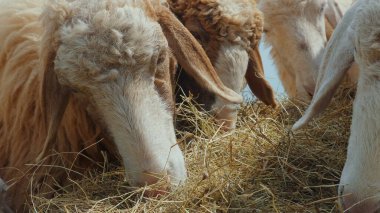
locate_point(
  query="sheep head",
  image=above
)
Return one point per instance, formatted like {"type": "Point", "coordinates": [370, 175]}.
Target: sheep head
{"type": "Point", "coordinates": [359, 184]}
{"type": "Point", "coordinates": [356, 39]}
{"type": "Point", "coordinates": [115, 55]}
{"type": "Point", "coordinates": [295, 29]}
{"type": "Point", "coordinates": [229, 31]}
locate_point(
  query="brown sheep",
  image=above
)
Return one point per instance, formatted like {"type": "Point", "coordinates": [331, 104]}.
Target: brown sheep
{"type": "Point", "coordinates": [297, 32]}
{"type": "Point", "coordinates": [229, 31]}
{"type": "Point", "coordinates": [79, 77]}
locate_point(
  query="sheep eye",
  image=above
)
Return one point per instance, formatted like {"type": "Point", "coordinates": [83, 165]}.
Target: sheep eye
{"type": "Point", "coordinates": [161, 57]}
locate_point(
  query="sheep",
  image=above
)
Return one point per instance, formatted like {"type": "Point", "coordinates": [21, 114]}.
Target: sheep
{"type": "Point", "coordinates": [78, 78]}
{"type": "Point", "coordinates": [356, 39]}
{"type": "Point", "coordinates": [229, 31]}
{"type": "Point", "coordinates": [297, 31]}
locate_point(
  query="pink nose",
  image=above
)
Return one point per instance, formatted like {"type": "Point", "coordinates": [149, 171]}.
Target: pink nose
{"type": "Point", "coordinates": [227, 118]}
{"type": "Point", "coordinates": [148, 179]}
{"type": "Point", "coordinates": [352, 205]}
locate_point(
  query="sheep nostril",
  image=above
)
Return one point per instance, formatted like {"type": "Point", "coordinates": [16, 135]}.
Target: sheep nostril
{"type": "Point", "coordinates": [158, 184]}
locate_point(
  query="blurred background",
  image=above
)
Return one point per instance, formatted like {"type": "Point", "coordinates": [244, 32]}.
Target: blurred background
{"type": "Point", "coordinates": [270, 73]}
{"type": "Point", "coordinates": [269, 67]}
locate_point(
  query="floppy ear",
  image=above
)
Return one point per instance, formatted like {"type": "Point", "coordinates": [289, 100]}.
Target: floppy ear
{"type": "Point", "coordinates": [54, 96]}
{"type": "Point", "coordinates": [256, 79]}
{"type": "Point", "coordinates": [338, 58]}
{"type": "Point", "coordinates": [191, 56]}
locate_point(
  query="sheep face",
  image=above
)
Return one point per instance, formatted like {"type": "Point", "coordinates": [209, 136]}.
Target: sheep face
{"type": "Point", "coordinates": [116, 56]}
{"type": "Point", "coordinates": [360, 183]}
{"type": "Point", "coordinates": [230, 62]}
{"type": "Point", "coordinates": [118, 60]}
{"type": "Point", "coordinates": [229, 32]}
{"type": "Point", "coordinates": [296, 31]}
{"type": "Point", "coordinates": [229, 58]}
{"type": "Point", "coordinates": [360, 180]}
{"type": "Point", "coordinates": [356, 39]}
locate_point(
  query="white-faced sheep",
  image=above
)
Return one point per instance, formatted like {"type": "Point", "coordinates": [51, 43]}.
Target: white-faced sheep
{"type": "Point", "coordinates": [357, 38]}
{"type": "Point", "coordinates": [297, 31]}
{"type": "Point", "coordinates": [229, 32]}
{"type": "Point", "coordinates": [79, 71]}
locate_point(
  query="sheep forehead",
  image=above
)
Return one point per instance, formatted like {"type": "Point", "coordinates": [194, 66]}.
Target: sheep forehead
{"type": "Point", "coordinates": [233, 12]}
{"type": "Point", "coordinates": [125, 36]}
{"type": "Point", "coordinates": [236, 21]}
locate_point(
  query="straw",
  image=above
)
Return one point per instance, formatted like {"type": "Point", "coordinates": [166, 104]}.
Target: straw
{"type": "Point", "coordinates": [259, 167]}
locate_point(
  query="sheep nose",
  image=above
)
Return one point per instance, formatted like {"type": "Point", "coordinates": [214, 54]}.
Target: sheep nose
{"type": "Point", "coordinates": [352, 205]}
{"type": "Point", "coordinates": [227, 117]}
{"type": "Point", "coordinates": [148, 179]}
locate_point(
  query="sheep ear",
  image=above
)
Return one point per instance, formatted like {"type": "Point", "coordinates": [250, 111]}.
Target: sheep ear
{"type": "Point", "coordinates": [256, 79]}
{"type": "Point", "coordinates": [191, 56]}
{"type": "Point", "coordinates": [55, 97]}
{"type": "Point", "coordinates": [54, 101]}
{"type": "Point", "coordinates": [338, 58]}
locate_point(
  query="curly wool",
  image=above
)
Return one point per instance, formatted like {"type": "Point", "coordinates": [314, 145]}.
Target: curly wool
{"type": "Point", "coordinates": [236, 21]}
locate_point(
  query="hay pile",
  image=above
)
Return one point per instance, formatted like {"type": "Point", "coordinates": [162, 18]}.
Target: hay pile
{"type": "Point", "coordinates": [259, 167]}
